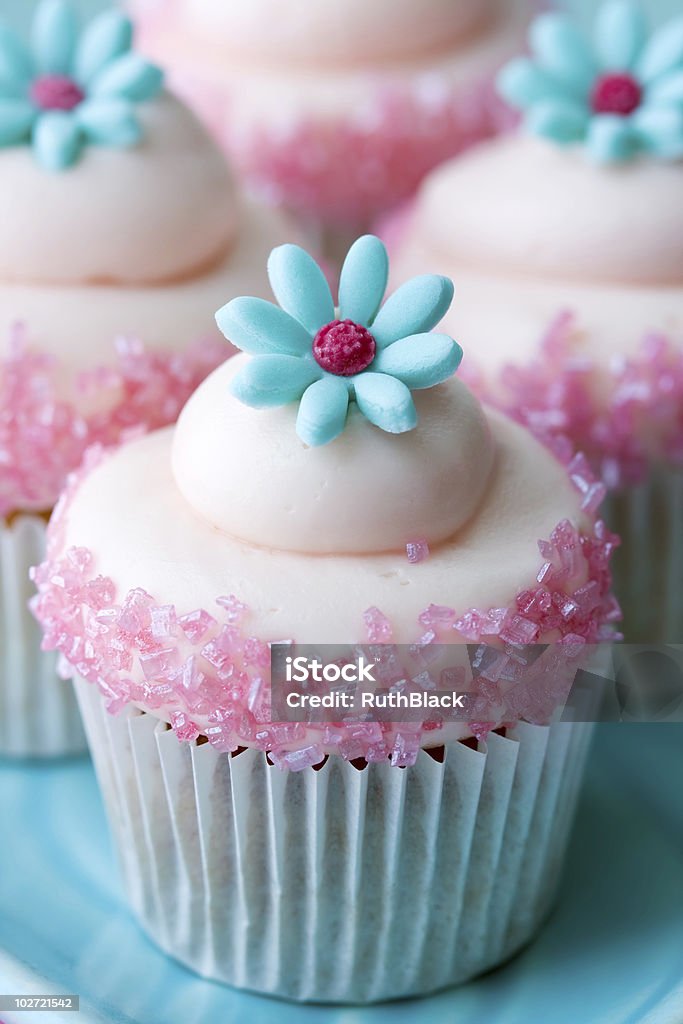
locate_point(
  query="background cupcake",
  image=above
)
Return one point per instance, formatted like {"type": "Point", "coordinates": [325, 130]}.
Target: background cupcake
{"type": "Point", "coordinates": [121, 227]}
{"type": "Point", "coordinates": [371, 501]}
{"type": "Point", "coordinates": [338, 110]}
{"type": "Point", "coordinates": [575, 226]}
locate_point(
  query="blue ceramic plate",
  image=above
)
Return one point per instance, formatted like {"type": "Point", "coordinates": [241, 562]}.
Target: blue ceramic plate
{"type": "Point", "coordinates": [612, 953]}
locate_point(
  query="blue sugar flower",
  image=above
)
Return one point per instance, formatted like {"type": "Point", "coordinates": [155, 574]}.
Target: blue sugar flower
{"type": "Point", "coordinates": [622, 95]}
{"type": "Point", "coordinates": [307, 353]}
{"type": "Point", "coordinates": [67, 88]}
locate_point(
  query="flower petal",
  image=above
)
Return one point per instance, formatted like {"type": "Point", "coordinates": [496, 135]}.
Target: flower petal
{"type": "Point", "coordinates": [260, 327]}
{"type": "Point", "coordinates": [416, 307]}
{"type": "Point", "coordinates": [611, 139]}
{"type": "Point", "coordinates": [300, 287]}
{"type": "Point", "coordinates": [563, 51]}
{"type": "Point", "coordinates": [562, 121]}
{"type": "Point", "coordinates": [128, 77]}
{"type": "Point", "coordinates": [107, 37]}
{"type": "Point", "coordinates": [363, 280]}
{"type": "Point", "coordinates": [54, 35]}
{"type": "Point", "coordinates": [666, 89]}
{"type": "Point", "coordinates": [322, 412]}
{"type": "Point", "coordinates": [663, 53]}
{"type": "Point", "coordinates": [420, 361]}
{"type": "Point", "coordinates": [523, 83]}
{"type": "Point", "coordinates": [620, 32]}
{"type": "Point", "coordinates": [16, 66]}
{"type": "Point", "coordinates": [16, 121]}
{"type": "Point", "coordinates": [57, 140]}
{"type": "Point", "coordinates": [269, 381]}
{"type": "Point", "coordinates": [660, 130]}
{"type": "Point", "coordinates": [386, 402]}
{"type": "Point", "coordinates": [109, 122]}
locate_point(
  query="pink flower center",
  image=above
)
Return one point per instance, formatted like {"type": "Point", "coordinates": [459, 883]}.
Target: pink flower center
{"type": "Point", "coordinates": [56, 92]}
{"type": "Point", "coordinates": [344, 347]}
{"type": "Point", "coordinates": [616, 94]}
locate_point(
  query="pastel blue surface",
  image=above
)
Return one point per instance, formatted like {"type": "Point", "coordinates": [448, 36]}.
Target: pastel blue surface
{"type": "Point", "coordinates": [612, 953]}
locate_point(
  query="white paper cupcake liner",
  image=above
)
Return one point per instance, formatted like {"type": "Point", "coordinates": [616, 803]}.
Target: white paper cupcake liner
{"type": "Point", "coordinates": [337, 885]}
{"type": "Point", "coordinates": [648, 568]}
{"type": "Point", "coordinates": [39, 715]}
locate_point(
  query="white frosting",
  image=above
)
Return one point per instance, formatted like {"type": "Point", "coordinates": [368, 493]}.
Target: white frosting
{"type": "Point", "coordinates": [529, 207]}
{"type": "Point", "coordinates": [325, 31]}
{"type": "Point", "coordinates": [497, 221]}
{"type": "Point", "coordinates": [80, 324]}
{"type": "Point", "coordinates": [367, 491]}
{"type": "Point", "coordinates": [162, 211]}
{"type": "Point", "coordinates": [143, 533]}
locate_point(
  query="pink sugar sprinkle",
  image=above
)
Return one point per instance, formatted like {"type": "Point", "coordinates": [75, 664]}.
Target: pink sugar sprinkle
{"type": "Point", "coordinates": [235, 609]}
{"type": "Point", "coordinates": [437, 615]}
{"type": "Point", "coordinates": [405, 750]}
{"type": "Point", "coordinates": [184, 728]}
{"type": "Point", "coordinates": [297, 760]}
{"type": "Point", "coordinates": [378, 626]}
{"type": "Point", "coordinates": [44, 437]}
{"type": "Point", "coordinates": [196, 625]}
{"type": "Point", "coordinates": [481, 730]}
{"type": "Point", "coordinates": [417, 551]}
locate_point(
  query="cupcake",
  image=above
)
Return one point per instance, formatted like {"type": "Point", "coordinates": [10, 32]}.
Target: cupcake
{"type": "Point", "coordinates": [338, 110]}
{"type": "Point", "coordinates": [575, 225]}
{"type": "Point", "coordinates": [350, 859]}
{"type": "Point", "coordinates": [121, 227]}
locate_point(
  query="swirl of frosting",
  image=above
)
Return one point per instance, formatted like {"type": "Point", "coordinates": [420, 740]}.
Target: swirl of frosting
{"type": "Point", "coordinates": [118, 215]}
{"type": "Point", "coordinates": [247, 473]}
{"type": "Point", "coordinates": [526, 228]}
{"type": "Point", "coordinates": [353, 31]}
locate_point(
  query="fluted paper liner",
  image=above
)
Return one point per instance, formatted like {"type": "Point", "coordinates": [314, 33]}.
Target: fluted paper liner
{"type": "Point", "coordinates": [38, 711]}
{"type": "Point", "coordinates": [648, 569]}
{"type": "Point", "coordinates": [337, 885]}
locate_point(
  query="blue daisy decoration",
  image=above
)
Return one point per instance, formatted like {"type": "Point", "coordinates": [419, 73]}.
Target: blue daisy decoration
{"type": "Point", "coordinates": [305, 351]}
{"type": "Point", "coordinates": [64, 89]}
{"type": "Point", "coordinates": [620, 93]}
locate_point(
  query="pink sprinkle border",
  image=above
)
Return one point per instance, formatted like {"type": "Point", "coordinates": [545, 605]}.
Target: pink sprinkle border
{"type": "Point", "coordinates": [204, 664]}
{"type": "Point", "coordinates": [554, 395]}
{"type": "Point", "coordinates": [43, 437]}
{"type": "Point", "coordinates": [350, 170]}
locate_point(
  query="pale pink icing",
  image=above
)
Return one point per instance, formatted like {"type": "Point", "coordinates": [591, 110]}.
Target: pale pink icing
{"type": "Point", "coordinates": [364, 492]}
{"type": "Point", "coordinates": [528, 208]}
{"type": "Point", "coordinates": [117, 217]}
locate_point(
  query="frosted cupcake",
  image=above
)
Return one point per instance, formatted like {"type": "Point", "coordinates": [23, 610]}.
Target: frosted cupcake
{"type": "Point", "coordinates": [373, 501]}
{"type": "Point", "coordinates": [121, 227]}
{"type": "Point", "coordinates": [338, 110]}
{"type": "Point", "coordinates": [575, 225]}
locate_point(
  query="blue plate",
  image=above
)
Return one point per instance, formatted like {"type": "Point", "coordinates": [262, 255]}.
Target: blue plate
{"type": "Point", "coordinates": [612, 953]}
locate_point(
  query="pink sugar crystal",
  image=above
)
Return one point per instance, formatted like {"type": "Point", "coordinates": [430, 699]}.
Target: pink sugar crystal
{"type": "Point", "coordinates": [196, 625]}
{"type": "Point", "coordinates": [235, 610]}
{"type": "Point", "coordinates": [184, 728]}
{"type": "Point", "coordinates": [297, 760]}
{"type": "Point", "coordinates": [163, 621]}
{"type": "Point", "coordinates": [378, 626]}
{"type": "Point", "coordinates": [437, 615]}
{"type": "Point", "coordinates": [481, 730]}
{"type": "Point", "coordinates": [405, 750]}
{"type": "Point", "coordinates": [417, 551]}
